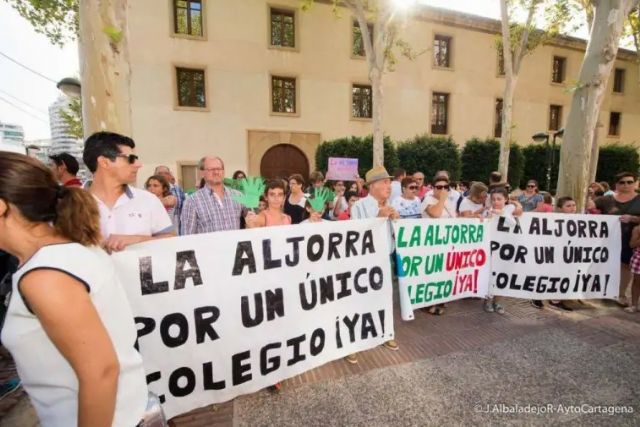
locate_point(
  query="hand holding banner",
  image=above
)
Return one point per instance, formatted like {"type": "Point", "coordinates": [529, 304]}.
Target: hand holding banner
{"type": "Point", "coordinates": [229, 313]}
{"type": "Point", "coordinates": [556, 256]}
{"type": "Point", "coordinates": [440, 260]}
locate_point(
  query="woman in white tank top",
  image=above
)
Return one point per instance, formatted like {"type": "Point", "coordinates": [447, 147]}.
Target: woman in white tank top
{"type": "Point", "coordinates": [69, 326]}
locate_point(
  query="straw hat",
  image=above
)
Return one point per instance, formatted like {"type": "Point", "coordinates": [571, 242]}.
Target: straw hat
{"type": "Point", "coordinates": [376, 174]}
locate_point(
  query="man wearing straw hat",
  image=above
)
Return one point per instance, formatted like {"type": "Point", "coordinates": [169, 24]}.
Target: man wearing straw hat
{"type": "Point", "coordinates": [376, 204]}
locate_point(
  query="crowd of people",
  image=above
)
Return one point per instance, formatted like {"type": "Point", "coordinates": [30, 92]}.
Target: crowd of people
{"type": "Point", "coordinates": [54, 235]}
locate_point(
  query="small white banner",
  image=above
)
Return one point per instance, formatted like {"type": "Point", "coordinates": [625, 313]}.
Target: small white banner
{"type": "Point", "coordinates": [229, 313]}
{"type": "Point", "coordinates": [555, 256]}
{"type": "Point", "coordinates": [440, 260]}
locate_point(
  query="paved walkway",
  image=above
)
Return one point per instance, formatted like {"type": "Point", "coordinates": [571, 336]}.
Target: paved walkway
{"type": "Point", "coordinates": [465, 367]}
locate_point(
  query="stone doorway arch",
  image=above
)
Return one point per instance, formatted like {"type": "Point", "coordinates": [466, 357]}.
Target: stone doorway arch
{"type": "Point", "coordinates": [283, 160]}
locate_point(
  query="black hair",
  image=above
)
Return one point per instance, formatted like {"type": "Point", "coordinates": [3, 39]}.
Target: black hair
{"type": "Point", "coordinates": [104, 144]}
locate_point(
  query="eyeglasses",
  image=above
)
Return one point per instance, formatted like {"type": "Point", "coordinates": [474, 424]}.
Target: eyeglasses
{"type": "Point", "coordinates": [213, 169]}
{"type": "Point", "coordinates": [626, 182]}
{"type": "Point", "coordinates": [441, 187]}
{"type": "Point", "coordinates": [131, 158]}
{"type": "Point", "coordinates": [412, 187]}
{"type": "Point", "coordinates": [531, 186]}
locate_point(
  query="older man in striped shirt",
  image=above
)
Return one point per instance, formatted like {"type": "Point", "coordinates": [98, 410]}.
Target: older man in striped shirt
{"type": "Point", "coordinates": [211, 208]}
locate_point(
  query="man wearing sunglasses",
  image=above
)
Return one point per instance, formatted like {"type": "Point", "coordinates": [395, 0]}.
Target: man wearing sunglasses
{"type": "Point", "coordinates": [628, 204]}
{"type": "Point", "coordinates": [127, 215]}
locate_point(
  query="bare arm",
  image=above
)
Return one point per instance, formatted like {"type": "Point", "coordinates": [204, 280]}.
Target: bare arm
{"type": "Point", "coordinates": [518, 208]}
{"type": "Point", "coordinates": [435, 211]}
{"type": "Point", "coordinates": [118, 242]}
{"type": "Point", "coordinates": [635, 237]}
{"type": "Point", "coordinates": [80, 337]}
{"type": "Point", "coordinates": [255, 220]}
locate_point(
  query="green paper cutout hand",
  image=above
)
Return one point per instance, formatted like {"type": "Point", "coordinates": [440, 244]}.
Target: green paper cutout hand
{"type": "Point", "coordinates": [232, 183]}
{"type": "Point", "coordinates": [251, 188]}
{"type": "Point", "coordinates": [320, 197]}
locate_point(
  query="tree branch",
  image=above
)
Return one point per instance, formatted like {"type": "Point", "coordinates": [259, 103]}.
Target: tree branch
{"type": "Point", "coordinates": [521, 50]}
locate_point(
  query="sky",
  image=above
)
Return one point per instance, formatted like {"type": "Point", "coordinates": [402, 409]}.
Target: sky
{"type": "Point", "coordinates": [20, 42]}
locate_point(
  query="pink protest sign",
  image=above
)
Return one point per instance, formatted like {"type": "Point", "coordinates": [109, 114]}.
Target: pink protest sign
{"type": "Point", "coordinates": [342, 168]}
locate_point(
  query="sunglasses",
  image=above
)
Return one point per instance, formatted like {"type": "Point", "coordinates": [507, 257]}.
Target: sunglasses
{"type": "Point", "coordinates": [441, 187]}
{"type": "Point", "coordinates": [531, 186]}
{"type": "Point", "coordinates": [412, 187]}
{"type": "Point", "coordinates": [131, 158]}
{"type": "Point", "coordinates": [625, 182]}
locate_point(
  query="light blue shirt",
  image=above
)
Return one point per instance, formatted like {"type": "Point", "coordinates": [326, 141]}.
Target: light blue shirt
{"type": "Point", "coordinates": [369, 208]}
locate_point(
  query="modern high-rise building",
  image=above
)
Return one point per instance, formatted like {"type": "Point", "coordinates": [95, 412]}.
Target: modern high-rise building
{"type": "Point", "coordinates": [61, 138]}
{"type": "Point", "coordinates": [11, 133]}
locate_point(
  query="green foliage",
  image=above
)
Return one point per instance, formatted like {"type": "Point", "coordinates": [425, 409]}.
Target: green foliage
{"type": "Point", "coordinates": [56, 19]}
{"type": "Point", "coordinates": [537, 162]}
{"type": "Point", "coordinates": [355, 147]}
{"type": "Point", "coordinates": [72, 117]}
{"type": "Point", "coordinates": [616, 158]}
{"type": "Point", "coordinates": [320, 197]}
{"type": "Point", "coordinates": [549, 18]}
{"type": "Point", "coordinates": [516, 165]}
{"type": "Point", "coordinates": [114, 34]}
{"type": "Point", "coordinates": [429, 154]}
{"type": "Point", "coordinates": [613, 159]}
{"type": "Point", "coordinates": [251, 188]}
{"type": "Point", "coordinates": [480, 158]}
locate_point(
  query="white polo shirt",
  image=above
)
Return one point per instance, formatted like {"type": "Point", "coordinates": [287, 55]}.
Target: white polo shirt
{"type": "Point", "coordinates": [136, 212]}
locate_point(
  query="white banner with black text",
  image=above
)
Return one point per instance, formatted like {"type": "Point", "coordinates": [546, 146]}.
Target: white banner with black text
{"type": "Point", "coordinates": [555, 256]}
{"type": "Point", "coordinates": [229, 313]}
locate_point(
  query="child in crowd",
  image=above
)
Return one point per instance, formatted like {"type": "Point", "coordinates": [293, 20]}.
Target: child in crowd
{"type": "Point", "coordinates": [500, 206]}
{"type": "Point", "coordinates": [316, 205]}
{"type": "Point", "coordinates": [273, 214]}
{"type": "Point", "coordinates": [547, 205]}
{"type": "Point", "coordinates": [351, 197]}
{"type": "Point", "coordinates": [634, 266]}
{"type": "Point", "coordinates": [338, 204]}
{"type": "Point", "coordinates": [566, 205]}
{"type": "Point", "coordinates": [604, 205]}
{"type": "Point", "coordinates": [262, 204]}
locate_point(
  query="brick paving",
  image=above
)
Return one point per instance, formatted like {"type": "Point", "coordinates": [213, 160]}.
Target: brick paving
{"type": "Point", "coordinates": [464, 327]}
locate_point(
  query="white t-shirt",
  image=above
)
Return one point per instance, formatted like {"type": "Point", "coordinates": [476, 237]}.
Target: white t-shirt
{"type": "Point", "coordinates": [46, 375]}
{"type": "Point", "coordinates": [396, 190]}
{"type": "Point", "coordinates": [453, 196]}
{"type": "Point", "coordinates": [407, 208]}
{"type": "Point", "coordinates": [468, 205]}
{"type": "Point", "coordinates": [449, 210]}
{"type": "Point", "coordinates": [506, 211]}
{"type": "Point", "coordinates": [342, 204]}
{"type": "Point", "coordinates": [136, 212]}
